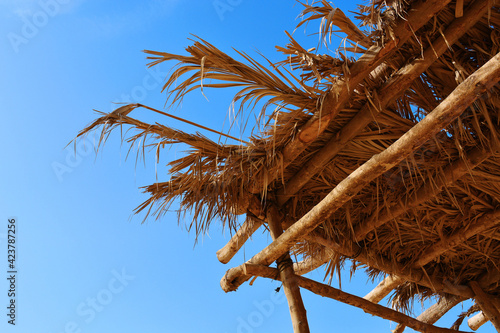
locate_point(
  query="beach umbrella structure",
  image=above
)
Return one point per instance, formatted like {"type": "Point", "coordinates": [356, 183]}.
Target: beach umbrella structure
{"type": "Point", "coordinates": [384, 154]}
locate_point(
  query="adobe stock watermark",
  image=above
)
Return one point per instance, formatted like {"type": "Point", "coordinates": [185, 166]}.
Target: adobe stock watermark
{"type": "Point", "coordinates": [88, 310]}
{"type": "Point", "coordinates": [84, 147]}
{"type": "Point", "coordinates": [32, 24]}
{"type": "Point", "coordinates": [263, 310]}
{"type": "Point", "coordinates": [224, 6]}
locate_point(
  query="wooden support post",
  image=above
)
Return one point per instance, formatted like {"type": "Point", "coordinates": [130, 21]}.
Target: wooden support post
{"type": "Point", "coordinates": [449, 109]}
{"type": "Point", "coordinates": [339, 295]}
{"type": "Point", "coordinates": [435, 312]}
{"type": "Point", "coordinates": [288, 277]}
{"type": "Point", "coordinates": [486, 305]}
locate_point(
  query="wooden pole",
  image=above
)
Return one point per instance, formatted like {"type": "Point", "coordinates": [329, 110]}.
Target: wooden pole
{"type": "Point", "coordinates": [435, 312]}
{"type": "Point", "coordinates": [427, 191]}
{"type": "Point", "coordinates": [311, 263]}
{"type": "Point", "coordinates": [285, 268]}
{"type": "Point", "coordinates": [339, 295]}
{"type": "Point", "coordinates": [394, 87]}
{"type": "Point", "coordinates": [240, 237]}
{"type": "Point", "coordinates": [486, 305]}
{"type": "Point", "coordinates": [383, 288]}
{"type": "Point", "coordinates": [477, 321]}
{"type": "Point", "coordinates": [449, 109]}
{"type": "Point", "coordinates": [484, 223]}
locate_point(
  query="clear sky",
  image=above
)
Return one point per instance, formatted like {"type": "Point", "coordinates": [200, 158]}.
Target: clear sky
{"type": "Point", "coordinates": [85, 264]}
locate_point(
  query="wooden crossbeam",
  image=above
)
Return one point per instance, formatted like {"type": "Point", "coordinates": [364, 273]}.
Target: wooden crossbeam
{"type": "Point", "coordinates": [383, 289]}
{"type": "Point", "coordinates": [477, 321]}
{"type": "Point", "coordinates": [341, 93]}
{"type": "Point", "coordinates": [484, 223]}
{"type": "Point", "coordinates": [434, 312]}
{"type": "Point", "coordinates": [427, 191]}
{"type": "Point", "coordinates": [246, 230]}
{"type": "Point", "coordinates": [449, 109]}
{"type": "Point", "coordinates": [359, 302]}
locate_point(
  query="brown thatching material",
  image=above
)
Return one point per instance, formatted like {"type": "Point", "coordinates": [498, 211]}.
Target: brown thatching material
{"type": "Point", "coordinates": [387, 155]}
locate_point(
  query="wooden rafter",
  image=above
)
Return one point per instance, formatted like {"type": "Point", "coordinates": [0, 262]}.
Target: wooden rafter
{"type": "Point", "coordinates": [339, 295]}
{"type": "Point", "coordinates": [477, 321]}
{"type": "Point", "coordinates": [434, 312]}
{"type": "Point", "coordinates": [484, 223]}
{"type": "Point", "coordinates": [426, 192]}
{"type": "Point", "coordinates": [246, 230]}
{"type": "Point", "coordinates": [383, 288]}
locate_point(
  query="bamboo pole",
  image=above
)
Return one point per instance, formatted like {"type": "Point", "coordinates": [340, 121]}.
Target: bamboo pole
{"type": "Point", "coordinates": [397, 84]}
{"type": "Point", "coordinates": [486, 305]}
{"type": "Point", "coordinates": [239, 238]}
{"type": "Point", "coordinates": [434, 312]}
{"type": "Point", "coordinates": [477, 321]}
{"type": "Point", "coordinates": [470, 89]}
{"type": "Point", "coordinates": [341, 93]}
{"type": "Point", "coordinates": [298, 312]}
{"type": "Point", "coordinates": [359, 302]}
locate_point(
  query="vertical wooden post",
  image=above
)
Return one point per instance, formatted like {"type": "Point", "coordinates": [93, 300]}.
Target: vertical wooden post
{"type": "Point", "coordinates": [486, 305]}
{"type": "Point", "coordinates": [288, 277]}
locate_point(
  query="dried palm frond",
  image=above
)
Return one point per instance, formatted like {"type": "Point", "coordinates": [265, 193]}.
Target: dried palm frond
{"type": "Point", "coordinates": [333, 17]}
{"type": "Point", "coordinates": [257, 82]}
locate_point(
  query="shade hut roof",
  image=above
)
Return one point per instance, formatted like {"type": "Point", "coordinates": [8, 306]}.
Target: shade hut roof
{"type": "Point", "coordinates": [385, 154]}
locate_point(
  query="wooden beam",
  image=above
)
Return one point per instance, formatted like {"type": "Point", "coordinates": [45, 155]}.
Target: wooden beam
{"type": "Point", "coordinates": [426, 192]}
{"type": "Point", "coordinates": [434, 312]}
{"type": "Point", "coordinates": [486, 305]}
{"type": "Point", "coordinates": [313, 262]}
{"type": "Point", "coordinates": [485, 222]}
{"type": "Point", "coordinates": [340, 94]}
{"type": "Point", "coordinates": [480, 319]}
{"type": "Point", "coordinates": [246, 230]}
{"type": "Point", "coordinates": [448, 110]}
{"type": "Point", "coordinates": [383, 289]}
{"type": "Point", "coordinates": [359, 302]}
{"type": "Point", "coordinates": [285, 270]}
{"type": "Point", "coordinates": [460, 236]}
{"type": "Point", "coordinates": [477, 321]}
{"type": "Point", "coordinates": [397, 84]}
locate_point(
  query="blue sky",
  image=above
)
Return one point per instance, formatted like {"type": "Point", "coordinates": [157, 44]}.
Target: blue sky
{"type": "Point", "coordinates": [85, 264]}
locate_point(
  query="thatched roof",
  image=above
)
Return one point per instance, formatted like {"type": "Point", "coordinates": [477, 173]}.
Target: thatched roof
{"type": "Point", "coordinates": [387, 154]}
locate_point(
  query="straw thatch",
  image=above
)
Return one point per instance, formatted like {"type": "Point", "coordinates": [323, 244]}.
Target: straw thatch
{"type": "Point", "coordinates": [386, 154]}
